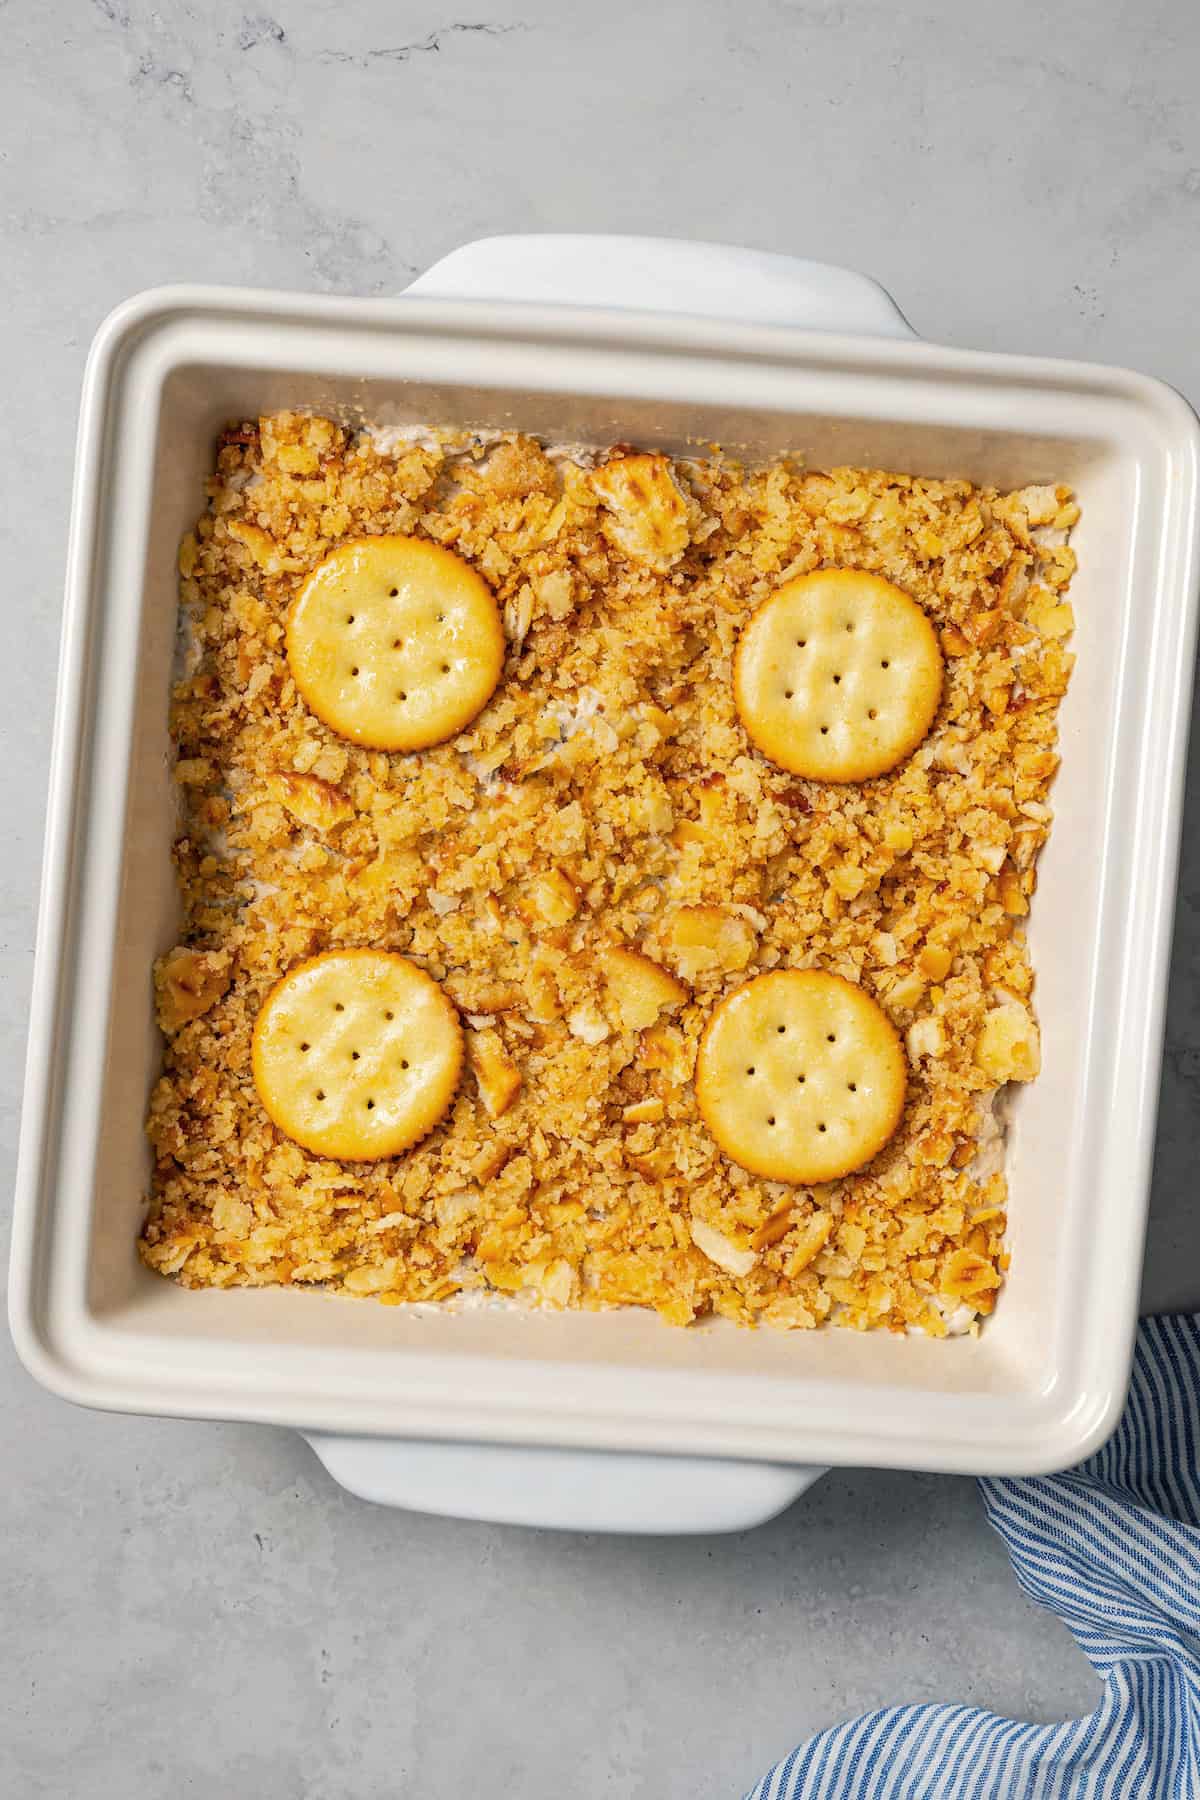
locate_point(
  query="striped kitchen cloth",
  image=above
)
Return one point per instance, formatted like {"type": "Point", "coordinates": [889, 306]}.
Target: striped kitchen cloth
{"type": "Point", "coordinates": [1112, 1547]}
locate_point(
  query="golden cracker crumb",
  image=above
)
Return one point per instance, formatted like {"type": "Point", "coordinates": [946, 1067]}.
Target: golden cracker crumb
{"type": "Point", "coordinates": [605, 799]}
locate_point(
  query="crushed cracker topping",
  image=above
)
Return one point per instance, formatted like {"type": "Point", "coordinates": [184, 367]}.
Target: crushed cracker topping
{"type": "Point", "coordinates": [605, 806]}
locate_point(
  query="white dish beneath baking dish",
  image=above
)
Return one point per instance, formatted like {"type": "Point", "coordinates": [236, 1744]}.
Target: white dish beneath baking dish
{"type": "Point", "coordinates": [716, 1427]}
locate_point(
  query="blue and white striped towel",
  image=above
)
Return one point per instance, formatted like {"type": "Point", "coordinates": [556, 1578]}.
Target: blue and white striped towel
{"type": "Point", "coordinates": [1112, 1547]}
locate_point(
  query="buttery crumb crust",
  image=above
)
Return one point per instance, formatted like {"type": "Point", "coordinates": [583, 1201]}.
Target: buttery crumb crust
{"type": "Point", "coordinates": [606, 800]}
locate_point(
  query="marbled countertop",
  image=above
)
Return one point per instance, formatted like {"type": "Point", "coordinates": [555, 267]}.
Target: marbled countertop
{"type": "Point", "coordinates": [195, 1609]}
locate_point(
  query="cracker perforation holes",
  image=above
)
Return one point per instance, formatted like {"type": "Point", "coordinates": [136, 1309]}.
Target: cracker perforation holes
{"type": "Point", "coordinates": [348, 603]}
{"type": "Point", "coordinates": [344, 1086]}
{"type": "Point", "coordinates": [811, 610]}
{"type": "Point", "coordinates": [802, 1132]}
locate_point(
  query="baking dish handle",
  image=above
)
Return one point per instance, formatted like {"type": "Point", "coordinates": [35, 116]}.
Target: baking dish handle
{"type": "Point", "coordinates": [566, 1490]}
{"type": "Point", "coordinates": [716, 281]}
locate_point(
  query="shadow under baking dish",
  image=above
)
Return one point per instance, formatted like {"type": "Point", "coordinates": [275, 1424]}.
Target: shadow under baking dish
{"type": "Point", "coordinates": [1044, 1381]}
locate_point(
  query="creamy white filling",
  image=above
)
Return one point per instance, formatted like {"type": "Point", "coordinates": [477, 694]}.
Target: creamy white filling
{"type": "Point", "coordinates": [992, 1138]}
{"type": "Point", "coordinates": [957, 1315]}
{"type": "Point", "coordinates": [388, 440]}
{"type": "Point", "coordinates": [570, 720]}
{"type": "Point", "coordinates": [489, 778]}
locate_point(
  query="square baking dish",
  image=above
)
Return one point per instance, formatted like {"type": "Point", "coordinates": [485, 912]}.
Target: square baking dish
{"type": "Point", "coordinates": [1044, 1382]}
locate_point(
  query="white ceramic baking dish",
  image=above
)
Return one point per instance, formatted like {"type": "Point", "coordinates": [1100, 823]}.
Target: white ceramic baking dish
{"type": "Point", "coordinates": [494, 1412]}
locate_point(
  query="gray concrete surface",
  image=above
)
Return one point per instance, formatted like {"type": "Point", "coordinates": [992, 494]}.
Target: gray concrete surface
{"type": "Point", "coordinates": [195, 1610]}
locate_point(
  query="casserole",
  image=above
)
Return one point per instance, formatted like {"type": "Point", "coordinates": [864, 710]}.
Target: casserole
{"type": "Point", "coordinates": [1044, 1383]}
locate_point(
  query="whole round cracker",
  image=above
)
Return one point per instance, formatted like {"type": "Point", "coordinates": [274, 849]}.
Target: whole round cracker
{"type": "Point", "coordinates": [396, 643]}
{"type": "Point", "coordinates": [356, 1054]}
{"type": "Point", "coordinates": [837, 676]}
{"type": "Point", "coordinates": [800, 1076]}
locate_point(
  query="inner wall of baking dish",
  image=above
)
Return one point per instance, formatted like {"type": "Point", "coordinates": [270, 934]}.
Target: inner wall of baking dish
{"type": "Point", "coordinates": [881, 426]}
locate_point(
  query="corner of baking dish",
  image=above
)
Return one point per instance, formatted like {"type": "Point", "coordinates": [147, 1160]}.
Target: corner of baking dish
{"type": "Point", "coordinates": [682, 1399]}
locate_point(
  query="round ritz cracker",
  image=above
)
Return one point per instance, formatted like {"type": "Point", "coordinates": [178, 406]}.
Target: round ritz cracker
{"type": "Point", "coordinates": [800, 1076]}
{"type": "Point", "coordinates": [395, 642]}
{"type": "Point", "coordinates": [356, 1054]}
{"type": "Point", "coordinates": [837, 676]}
